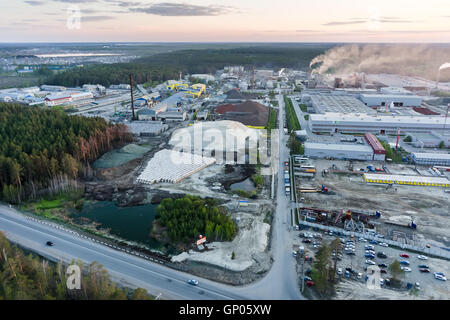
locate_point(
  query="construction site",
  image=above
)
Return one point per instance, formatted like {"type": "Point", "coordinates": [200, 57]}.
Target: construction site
{"type": "Point", "coordinates": [408, 213]}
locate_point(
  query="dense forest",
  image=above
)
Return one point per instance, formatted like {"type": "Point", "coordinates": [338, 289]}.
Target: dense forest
{"type": "Point", "coordinates": [40, 148]}
{"type": "Point", "coordinates": [28, 277]}
{"type": "Point", "coordinates": [186, 218]}
{"type": "Point", "coordinates": [165, 66]}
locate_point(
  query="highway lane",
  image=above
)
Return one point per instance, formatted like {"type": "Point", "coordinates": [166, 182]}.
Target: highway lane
{"type": "Point", "coordinates": [123, 267]}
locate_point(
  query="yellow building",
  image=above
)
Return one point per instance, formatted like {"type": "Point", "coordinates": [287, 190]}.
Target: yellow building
{"type": "Point", "coordinates": [407, 180]}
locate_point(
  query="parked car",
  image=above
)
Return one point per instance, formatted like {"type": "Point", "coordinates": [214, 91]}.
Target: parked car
{"type": "Point", "coordinates": [370, 256]}
{"type": "Point", "coordinates": [404, 255]}
{"type": "Point", "coordinates": [423, 266]}
{"type": "Point", "coordinates": [310, 283]}
{"type": "Point", "coordinates": [417, 285]}
{"type": "Point", "coordinates": [307, 279]}
{"type": "Point", "coordinates": [422, 257]}
{"type": "Point", "coordinates": [373, 242]}
{"type": "Point", "coordinates": [339, 271]}
{"type": "Point", "coordinates": [359, 276]}
{"type": "Point", "coordinates": [440, 277]}
{"type": "Point", "coordinates": [350, 270]}
{"type": "Point", "coordinates": [369, 247]}
{"type": "Point", "coordinates": [306, 241]}
{"type": "Point", "coordinates": [347, 274]}
{"type": "Point", "coordinates": [382, 271]}
{"type": "Point", "coordinates": [370, 252]}
{"type": "Point", "coordinates": [383, 265]}
{"type": "Point", "coordinates": [294, 254]}
{"type": "Point", "coordinates": [362, 240]}
{"type": "Point", "coordinates": [387, 282]}
{"type": "Point", "coordinates": [370, 262]}
{"type": "Point", "coordinates": [383, 244]}
{"type": "Point", "coordinates": [424, 270]}
{"type": "Point", "coordinates": [381, 255]}
{"type": "Point", "coordinates": [406, 269]}
{"type": "Point", "coordinates": [404, 262]}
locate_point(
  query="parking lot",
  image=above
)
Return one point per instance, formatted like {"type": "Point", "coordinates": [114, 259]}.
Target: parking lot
{"type": "Point", "coordinates": [429, 286]}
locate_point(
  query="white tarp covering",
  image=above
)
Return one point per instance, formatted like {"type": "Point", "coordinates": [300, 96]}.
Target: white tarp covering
{"type": "Point", "coordinates": [173, 166]}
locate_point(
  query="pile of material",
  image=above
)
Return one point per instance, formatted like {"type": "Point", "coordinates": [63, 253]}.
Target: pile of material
{"type": "Point", "coordinates": [425, 111]}
{"type": "Point", "coordinates": [249, 113]}
{"type": "Point", "coordinates": [173, 166]}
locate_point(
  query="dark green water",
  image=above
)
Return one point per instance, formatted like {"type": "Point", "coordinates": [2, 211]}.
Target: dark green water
{"type": "Point", "coordinates": [130, 223]}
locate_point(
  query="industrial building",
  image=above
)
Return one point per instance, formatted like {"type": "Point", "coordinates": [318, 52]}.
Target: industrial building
{"type": "Point", "coordinates": [399, 100]}
{"type": "Point", "coordinates": [170, 116]}
{"type": "Point", "coordinates": [379, 153]}
{"type": "Point", "coordinates": [406, 180]}
{"type": "Point", "coordinates": [339, 104]}
{"type": "Point", "coordinates": [338, 151]}
{"type": "Point", "coordinates": [45, 87]}
{"type": "Point", "coordinates": [429, 140]}
{"type": "Point", "coordinates": [204, 77]}
{"type": "Point", "coordinates": [360, 123]}
{"type": "Point", "coordinates": [431, 159]}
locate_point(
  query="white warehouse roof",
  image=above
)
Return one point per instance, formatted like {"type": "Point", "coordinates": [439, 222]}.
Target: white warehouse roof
{"type": "Point", "coordinates": [385, 119]}
{"type": "Point", "coordinates": [408, 180]}
{"type": "Point", "coordinates": [338, 147]}
{"type": "Point", "coordinates": [426, 155]}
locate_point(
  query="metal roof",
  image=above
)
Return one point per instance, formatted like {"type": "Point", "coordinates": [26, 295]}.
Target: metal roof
{"type": "Point", "coordinates": [386, 178]}
{"type": "Point", "coordinates": [429, 155]}
{"type": "Point", "coordinates": [338, 147]}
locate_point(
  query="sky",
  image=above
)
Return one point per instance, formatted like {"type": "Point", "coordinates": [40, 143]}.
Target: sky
{"type": "Point", "coordinates": [225, 21]}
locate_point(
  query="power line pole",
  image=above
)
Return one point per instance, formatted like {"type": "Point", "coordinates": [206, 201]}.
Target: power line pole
{"type": "Point", "coordinates": [132, 98]}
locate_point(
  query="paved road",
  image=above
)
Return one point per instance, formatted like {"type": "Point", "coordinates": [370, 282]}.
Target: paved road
{"type": "Point", "coordinates": [281, 282]}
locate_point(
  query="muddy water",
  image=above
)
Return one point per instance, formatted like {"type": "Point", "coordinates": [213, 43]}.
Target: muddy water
{"type": "Point", "coordinates": [246, 185]}
{"type": "Point", "coordinates": [119, 157]}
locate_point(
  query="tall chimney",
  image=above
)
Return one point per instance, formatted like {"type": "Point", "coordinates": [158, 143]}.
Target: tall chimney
{"type": "Point", "coordinates": [132, 98]}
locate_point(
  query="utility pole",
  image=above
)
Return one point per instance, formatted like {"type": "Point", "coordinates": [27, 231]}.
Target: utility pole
{"type": "Point", "coordinates": [132, 98]}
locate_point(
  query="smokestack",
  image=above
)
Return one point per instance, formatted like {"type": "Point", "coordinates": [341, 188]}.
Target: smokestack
{"type": "Point", "coordinates": [132, 98]}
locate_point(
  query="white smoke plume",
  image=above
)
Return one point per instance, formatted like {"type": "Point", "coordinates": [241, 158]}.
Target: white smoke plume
{"type": "Point", "coordinates": [445, 66]}
{"type": "Point", "coordinates": [411, 60]}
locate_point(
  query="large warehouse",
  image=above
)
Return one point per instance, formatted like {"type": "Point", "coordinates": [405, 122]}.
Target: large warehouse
{"type": "Point", "coordinates": [339, 104]}
{"type": "Point", "coordinates": [407, 180]}
{"type": "Point", "coordinates": [432, 159]}
{"type": "Point", "coordinates": [380, 100]}
{"type": "Point", "coordinates": [379, 153]}
{"type": "Point", "coordinates": [360, 123]}
{"type": "Point", "coordinates": [338, 151]}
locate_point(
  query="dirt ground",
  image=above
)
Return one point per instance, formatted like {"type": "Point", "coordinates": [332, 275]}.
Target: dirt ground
{"type": "Point", "coordinates": [428, 206]}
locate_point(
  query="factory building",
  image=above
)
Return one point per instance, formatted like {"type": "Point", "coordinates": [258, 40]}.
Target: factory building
{"type": "Point", "coordinates": [431, 159]}
{"type": "Point", "coordinates": [379, 153]}
{"type": "Point", "coordinates": [204, 77]}
{"type": "Point", "coordinates": [338, 151]}
{"type": "Point", "coordinates": [120, 86]}
{"type": "Point", "coordinates": [399, 100]}
{"type": "Point", "coordinates": [359, 123]}
{"type": "Point", "coordinates": [339, 104]}
{"type": "Point", "coordinates": [171, 116]}
{"type": "Point", "coordinates": [146, 128]}
{"type": "Point", "coordinates": [45, 87]}
{"type": "Point", "coordinates": [406, 180]}
{"type": "Point", "coordinates": [429, 140]}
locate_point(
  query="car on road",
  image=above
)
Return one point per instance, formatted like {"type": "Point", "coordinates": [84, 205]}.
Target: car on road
{"type": "Point", "coordinates": [381, 255]}
{"type": "Point", "coordinates": [404, 262]}
{"type": "Point", "coordinates": [406, 269]}
{"type": "Point", "coordinates": [423, 266]}
{"type": "Point", "coordinates": [383, 244]}
{"type": "Point", "coordinates": [383, 265]}
{"type": "Point", "coordinates": [404, 255]}
{"type": "Point", "coordinates": [193, 282]}
{"type": "Point", "coordinates": [49, 243]}
{"type": "Point", "coordinates": [373, 242]}
{"type": "Point", "coordinates": [370, 262]}
{"type": "Point", "coordinates": [422, 257]}
{"type": "Point", "coordinates": [424, 270]}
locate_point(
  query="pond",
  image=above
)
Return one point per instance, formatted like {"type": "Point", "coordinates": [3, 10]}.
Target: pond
{"type": "Point", "coordinates": [246, 185]}
{"type": "Point", "coordinates": [129, 223]}
{"type": "Point", "coordinates": [119, 157]}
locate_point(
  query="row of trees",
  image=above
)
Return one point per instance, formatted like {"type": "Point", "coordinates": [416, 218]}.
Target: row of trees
{"type": "Point", "coordinates": [186, 218]}
{"type": "Point", "coordinates": [291, 117]}
{"type": "Point", "coordinates": [164, 66]}
{"type": "Point", "coordinates": [38, 146]}
{"type": "Point", "coordinates": [28, 277]}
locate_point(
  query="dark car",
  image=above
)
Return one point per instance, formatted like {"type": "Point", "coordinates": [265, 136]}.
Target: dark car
{"type": "Point", "coordinates": [424, 266]}
{"type": "Point", "coordinates": [424, 270]}
{"type": "Point", "coordinates": [383, 265]}
{"type": "Point", "coordinates": [381, 255]}
{"type": "Point", "coordinates": [383, 271]}
{"type": "Point", "coordinates": [50, 244]}
{"type": "Point", "coordinates": [350, 270]}
{"type": "Point", "coordinates": [306, 241]}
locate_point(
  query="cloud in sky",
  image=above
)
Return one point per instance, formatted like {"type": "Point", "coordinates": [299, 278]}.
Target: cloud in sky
{"type": "Point", "coordinates": [96, 18]}
{"type": "Point", "coordinates": [361, 21]}
{"type": "Point", "coordinates": [35, 3]}
{"type": "Point", "coordinates": [182, 9]}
